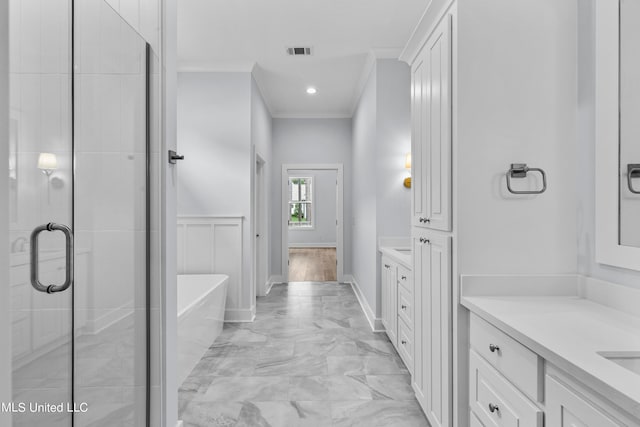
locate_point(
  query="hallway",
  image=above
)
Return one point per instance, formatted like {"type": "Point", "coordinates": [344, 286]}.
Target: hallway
{"type": "Point", "coordinates": [312, 265]}
{"type": "Point", "coordinates": [309, 359]}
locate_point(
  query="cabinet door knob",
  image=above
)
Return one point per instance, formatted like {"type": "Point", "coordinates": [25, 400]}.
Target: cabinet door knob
{"type": "Point", "coordinates": [403, 342]}
{"type": "Point", "coordinates": [494, 408]}
{"type": "Point", "coordinates": [387, 266]}
{"type": "Point", "coordinates": [404, 277]}
{"type": "Point", "coordinates": [493, 348]}
{"type": "Point", "coordinates": [423, 240]}
{"type": "Point", "coordinates": [404, 307]}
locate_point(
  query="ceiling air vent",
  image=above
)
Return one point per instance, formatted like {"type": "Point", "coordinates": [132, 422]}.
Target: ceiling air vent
{"type": "Point", "coordinates": [299, 51]}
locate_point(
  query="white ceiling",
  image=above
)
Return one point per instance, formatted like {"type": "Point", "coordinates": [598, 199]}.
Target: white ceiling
{"type": "Point", "coordinates": [233, 35]}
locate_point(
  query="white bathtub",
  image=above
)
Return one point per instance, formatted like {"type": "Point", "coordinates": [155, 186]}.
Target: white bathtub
{"type": "Point", "coordinates": [201, 305]}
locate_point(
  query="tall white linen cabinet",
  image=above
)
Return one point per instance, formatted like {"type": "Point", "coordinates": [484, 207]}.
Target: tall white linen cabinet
{"type": "Point", "coordinates": [493, 83]}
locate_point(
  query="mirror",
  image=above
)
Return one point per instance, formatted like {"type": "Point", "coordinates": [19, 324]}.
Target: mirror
{"type": "Point", "coordinates": [617, 132]}
{"type": "Point", "coordinates": [629, 144]}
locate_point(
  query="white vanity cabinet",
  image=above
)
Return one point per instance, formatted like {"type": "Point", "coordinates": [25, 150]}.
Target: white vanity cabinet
{"type": "Point", "coordinates": [431, 131]}
{"type": "Point", "coordinates": [432, 379]}
{"type": "Point", "coordinates": [565, 408]}
{"type": "Point", "coordinates": [398, 307]}
{"type": "Point", "coordinates": [510, 385]}
{"type": "Point", "coordinates": [389, 299]}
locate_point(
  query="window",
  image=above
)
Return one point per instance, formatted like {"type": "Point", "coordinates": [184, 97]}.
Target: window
{"type": "Point", "coordinates": [300, 202]}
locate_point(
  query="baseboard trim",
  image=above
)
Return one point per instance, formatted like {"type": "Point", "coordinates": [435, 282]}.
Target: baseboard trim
{"type": "Point", "coordinates": [240, 315]}
{"type": "Point", "coordinates": [272, 281]}
{"type": "Point", "coordinates": [312, 245]}
{"type": "Point", "coordinates": [374, 322]}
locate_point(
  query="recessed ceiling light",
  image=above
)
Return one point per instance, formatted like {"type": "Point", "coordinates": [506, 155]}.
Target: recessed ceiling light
{"type": "Point", "coordinates": [312, 90]}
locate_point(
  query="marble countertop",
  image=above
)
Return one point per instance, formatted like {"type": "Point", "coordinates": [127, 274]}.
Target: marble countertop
{"type": "Point", "coordinates": [569, 332]}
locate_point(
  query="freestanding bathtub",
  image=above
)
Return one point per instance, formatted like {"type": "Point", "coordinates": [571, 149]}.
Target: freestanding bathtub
{"type": "Point", "coordinates": [201, 305]}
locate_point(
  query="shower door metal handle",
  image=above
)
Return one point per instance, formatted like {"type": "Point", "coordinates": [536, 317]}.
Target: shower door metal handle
{"type": "Point", "coordinates": [35, 280]}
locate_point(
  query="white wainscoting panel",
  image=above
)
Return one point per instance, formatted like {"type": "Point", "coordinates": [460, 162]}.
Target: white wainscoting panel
{"type": "Point", "coordinates": [213, 245]}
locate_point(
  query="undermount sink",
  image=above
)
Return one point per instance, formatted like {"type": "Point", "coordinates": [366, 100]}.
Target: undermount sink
{"type": "Point", "coordinates": [629, 360]}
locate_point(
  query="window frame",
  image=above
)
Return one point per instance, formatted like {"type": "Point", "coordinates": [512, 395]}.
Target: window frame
{"type": "Point", "coordinates": [312, 202]}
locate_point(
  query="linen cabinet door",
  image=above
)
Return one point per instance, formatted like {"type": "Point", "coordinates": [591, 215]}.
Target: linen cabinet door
{"type": "Point", "coordinates": [433, 337]}
{"type": "Point", "coordinates": [436, 155]}
{"type": "Point", "coordinates": [418, 132]}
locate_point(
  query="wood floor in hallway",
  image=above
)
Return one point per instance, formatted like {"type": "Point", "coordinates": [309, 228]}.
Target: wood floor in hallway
{"type": "Point", "coordinates": [312, 265]}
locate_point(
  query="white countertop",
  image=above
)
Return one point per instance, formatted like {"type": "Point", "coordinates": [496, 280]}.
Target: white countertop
{"type": "Point", "coordinates": [401, 255]}
{"type": "Point", "coordinates": [568, 332]}
{"type": "Point", "coordinates": [398, 249]}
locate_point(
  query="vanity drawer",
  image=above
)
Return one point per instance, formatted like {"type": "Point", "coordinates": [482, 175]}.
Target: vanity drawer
{"type": "Point", "coordinates": [405, 344]}
{"type": "Point", "coordinates": [405, 278]}
{"type": "Point", "coordinates": [495, 401]}
{"type": "Point", "coordinates": [520, 365]}
{"type": "Point", "coordinates": [405, 306]}
{"type": "Point", "coordinates": [474, 421]}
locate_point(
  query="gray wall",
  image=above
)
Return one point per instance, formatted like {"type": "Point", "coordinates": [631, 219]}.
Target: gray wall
{"type": "Point", "coordinates": [586, 156]}
{"type": "Point", "coordinates": [214, 123]}
{"type": "Point", "coordinates": [214, 135]}
{"type": "Point", "coordinates": [364, 193]}
{"type": "Point", "coordinates": [309, 141]}
{"type": "Point", "coordinates": [323, 233]}
{"type": "Point", "coordinates": [381, 139]}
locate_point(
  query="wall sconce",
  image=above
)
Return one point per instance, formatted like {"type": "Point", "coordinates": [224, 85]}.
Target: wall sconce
{"type": "Point", "coordinates": [407, 165]}
{"type": "Point", "coordinates": [47, 163]}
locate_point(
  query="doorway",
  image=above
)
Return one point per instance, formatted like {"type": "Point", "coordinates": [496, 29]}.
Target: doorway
{"type": "Point", "coordinates": [80, 224]}
{"type": "Point", "coordinates": [312, 212]}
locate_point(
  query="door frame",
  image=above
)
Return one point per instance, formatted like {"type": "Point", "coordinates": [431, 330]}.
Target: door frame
{"type": "Point", "coordinates": [286, 168]}
{"type": "Point", "coordinates": [261, 225]}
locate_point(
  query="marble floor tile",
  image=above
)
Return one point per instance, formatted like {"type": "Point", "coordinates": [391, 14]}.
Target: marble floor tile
{"type": "Point", "coordinates": [285, 414]}
{"type": "Point", "coordinates": [227, 389]}
{"type": "Point", "coordinates": [378, 413]}
{"type": "Point", "coordinates": [315, 388]}
{"type": "Point", "coordinates": [363, 365]}
{"type": "Point", "coordinates": [309, 359]}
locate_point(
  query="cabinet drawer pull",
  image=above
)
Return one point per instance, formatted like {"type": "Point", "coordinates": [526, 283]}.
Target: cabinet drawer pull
{"type": "Point", "coordinates": [403, 342]}
{"type": "Point", "coordinates": [403, 277]}
{"type": "Point", "coordinates": [423, 240]}
{"type": "Point", "coordinates": [387, 266]}
{"type": "Point", "coordinates": [494, 408]}
{"type": "Point", "coordinates": [424, 220]}
{"type": "Point", "coordinates": [404, 307]}
{"type": "Point", "coordinates": [493, 348]}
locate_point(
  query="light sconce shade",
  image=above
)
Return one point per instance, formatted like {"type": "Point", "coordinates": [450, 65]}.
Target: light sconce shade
{"type": "Point", "coordinates": [407, 165]}
{"type": "Point", "coordinates": [47, 163]}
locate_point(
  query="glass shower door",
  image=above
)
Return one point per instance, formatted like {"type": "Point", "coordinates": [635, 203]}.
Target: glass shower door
{"type": "Point", "coordinates": [110, 207]}
{"type": "Point", "coordinates": [41, 193]}
{"type": "Point", "coordinates": [79, 212]}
